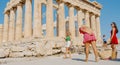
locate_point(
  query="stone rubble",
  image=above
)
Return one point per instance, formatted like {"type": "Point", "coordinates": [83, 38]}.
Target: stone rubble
{"type": "Point", "coordinates": [32, 47]}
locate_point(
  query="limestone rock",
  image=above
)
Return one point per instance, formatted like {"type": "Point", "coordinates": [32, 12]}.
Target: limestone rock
{"type": "Point", "coordinates": [63, 49]}
{"type": "Point", "coordinates": [7, 52]}
{"type": "Point", "coordinates": [16, 54]}
{"type": "Point", "coordinates": [17, 49]}
{"type": "Point", "coordinates": [105, 54]}
{"type": "Point", "coordinates": [40, 48]}
{"type": "Point", "coordinates": [55, 51]}
{"type": "Point", "coordinates": [28, 53]}
{"type": "Point", "coordinates": [48, 48]}
{"type": "Point", "coordinates": [2, 55]}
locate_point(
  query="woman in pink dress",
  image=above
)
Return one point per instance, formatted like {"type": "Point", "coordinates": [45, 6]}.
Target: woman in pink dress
{"type": "Point", "coordinates": [89, 39]}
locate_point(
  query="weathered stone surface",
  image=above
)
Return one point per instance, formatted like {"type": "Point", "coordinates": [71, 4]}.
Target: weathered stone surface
{"type": "Point", "coordinates": [105, 54]}
{"type": "Point", "coordinates": [48, 48]}
{"type": "Point", "coordinates": [34, 47]}
{"type": "Point", "coordinates": [7, 52]}
{"type": "Point", "coordinates": [2, 55]}
{"type": "Point", "coordinates": [17, 49]}
{"type": "Point", "coordinates": [28, 53]}
{"type": "Point", "coordinates": [16, 54]}
{"type": "Point", "coordinates": [63, 49]}
{"type": "Point", "coordinates": [55, 51]}
{"type": "Point", "coordinates": [40, 50]}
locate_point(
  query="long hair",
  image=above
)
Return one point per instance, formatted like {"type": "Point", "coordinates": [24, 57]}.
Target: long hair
{"type": "Point", "coordinates": [115, 26]}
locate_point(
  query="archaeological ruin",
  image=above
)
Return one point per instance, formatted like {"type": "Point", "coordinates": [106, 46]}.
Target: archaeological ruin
{"type": "Point", "coordinates": [24, 34]}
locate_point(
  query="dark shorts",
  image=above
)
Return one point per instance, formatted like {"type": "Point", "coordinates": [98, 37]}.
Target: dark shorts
{"type": "Point", "coordinates": [105, 42]}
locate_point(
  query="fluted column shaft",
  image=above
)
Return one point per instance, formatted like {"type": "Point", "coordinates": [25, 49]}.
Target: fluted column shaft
{"type": "Point", "coordinates": [28, 19]}
{"type": "Point", "coordinates": [1, 33]}
{"type": "Point", "coordinates": [19, 23]}
{"type": "Point", "coordinates": [87, 19]}
{"type": "Point", "coordinates": [93, 23]}
{"type": "Point", "coordinates": [80, 18]}
{"type": "Point", "coordinates": [5, 31]}
{"type": "Point", "coordinates": [49, 19]}
{"type": "Point", "coordinates": [12, 25]}
{"type": "Point", "coordinates": [98, 27]}
{"type": "Point", "coordinates": [61, 20]}
{"type": "Point", "coordinates": [37, 31]}
{"type": "Point", "coordinates": [71, 22]}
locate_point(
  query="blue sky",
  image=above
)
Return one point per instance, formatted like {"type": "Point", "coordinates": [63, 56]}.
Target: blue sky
{"type": "Point", "coordinates": [109, 13]}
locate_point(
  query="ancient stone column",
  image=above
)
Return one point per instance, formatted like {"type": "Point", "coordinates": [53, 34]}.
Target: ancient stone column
{"type": "Point", "coordinates": [1, 33]}
{"type": "Point", "coordinates": [61, 20]}
{"type": "Point", "coordinates": [37, 30]}
{"type": "Point", "coordinates": [19, 22]}
{"type": "Point", "coordinates": [87, 19]}
{"type": "Point", "coordinates": [5, 31]}
{"type": "Point", "coordinates": [12, 25]}
{"type": "Point", "coordinates": [80, 18]}
{"type": "Point", "coordinates": [98, 27]}
{"type": "Point", "coordinates": [71, 21]}
{"type": "Point", "coordinates": [93, 23]}
{"type": "Point", "coordinates": [28, 19]}
{"type": "Point", "coordinates": [49, 19]}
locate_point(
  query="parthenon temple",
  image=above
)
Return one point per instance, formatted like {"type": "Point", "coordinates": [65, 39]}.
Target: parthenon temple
{"type": "Point", "coordinates": [38, 27]}
{"type": "Point", "coordinates": [23, 19]}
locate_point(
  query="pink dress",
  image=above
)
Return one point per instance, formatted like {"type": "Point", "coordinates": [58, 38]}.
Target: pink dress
{"type": "Point", "coordinates": [87, 37]}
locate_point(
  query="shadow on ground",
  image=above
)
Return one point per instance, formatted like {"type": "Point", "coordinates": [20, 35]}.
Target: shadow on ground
{"type": "Point", "coordinates": [78, 59]}
{"type": "Point", "coordinates": [118, 60]}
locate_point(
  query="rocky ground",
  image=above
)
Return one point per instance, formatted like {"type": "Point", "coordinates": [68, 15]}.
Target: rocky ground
{"type": "Point", "coordinates": [76, 59]}
{"type": "Point", "coordinates": [49, 51]}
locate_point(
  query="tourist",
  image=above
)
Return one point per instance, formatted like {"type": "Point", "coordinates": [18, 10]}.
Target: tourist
{"type": "Point", "coordinates": [114, 40]}
{"type": "Point", "coordinates": [67, 45]}
{"type": "Point", "coordinates": [89, 39]}
{"type": "Point", "coordinates": [104, 41]}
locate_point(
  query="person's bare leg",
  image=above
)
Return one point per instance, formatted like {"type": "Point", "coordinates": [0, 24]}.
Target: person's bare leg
{"type": "Point", "coordinates": [113, 51]}
{"type": "Point", "coordinates": [95, 50]}
{"type": "Point", "coordinates": [69, 53]}
{"type": "Point", "coordinates": [87, 45]}
{"type": "Point", "coordinates": [66, 52]}
{"type": "Point", "coordinates": [113, 47]}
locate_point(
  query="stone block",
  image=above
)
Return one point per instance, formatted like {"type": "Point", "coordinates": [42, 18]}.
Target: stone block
{"type": "Point", "coordinates": [16, 54]}
{"type": "Point", "coordinates": [17, 49]}
{"type": "Point", "coordinates": [105, 54]}
{"type": "Point", "coordinates": [28, 53]}
{"type": "Point", "coordinates": [2, 53]}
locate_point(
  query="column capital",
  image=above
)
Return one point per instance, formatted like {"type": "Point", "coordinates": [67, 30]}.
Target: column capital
{"type": "Point", "coordinates": [69, 4]}
{"type": "Point", "coordinates": [20, 4]}
{"type": "Point", "coordinates": [7, 12]}
{"type": "Point", "coordinates": [59, 1]}
{"type": "Point", "coordinates": [13, 8]}
{"type": "Point", "coordinates": [97, 16]}
{"type": "Point", "coordinates": [86, 11]}
{"type": "Point", "coordinates": [77, 7]}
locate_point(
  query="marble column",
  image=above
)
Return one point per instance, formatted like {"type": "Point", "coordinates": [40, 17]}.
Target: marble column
{"type": "Point", "coordinates": [80, 17]}
{"type": "Point", "coordinates": [87, 19]}
{"type": "Point", "coordinates": [28, 19]}
{"type": "Point", "coordinates": [98, 27]}
{"type": "Point", "coordinates": [93, 24]}
{"type": "Point", "coordinates": [71, 21]}
{"type": "Point", "coordinates": [5, 31]}
{"type": "Point", "coordinates": [37, 30]}
{"type": "Point", "coordinates": [61, 20]}
{"type": "Point", "coordinates": [12, 25]}
{"type": "Point", "coordinates": [1, 33]}
{"type": "Point", "coordinates": [49, 19]}
{"type": "Point", "coordinates": [19, 22]}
